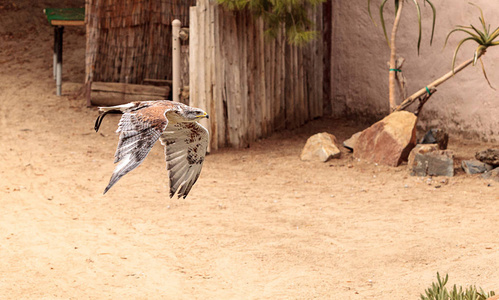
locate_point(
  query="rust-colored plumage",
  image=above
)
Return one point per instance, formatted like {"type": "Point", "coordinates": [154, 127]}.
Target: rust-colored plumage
{"type": "Point", "coordinates": [175, 125]}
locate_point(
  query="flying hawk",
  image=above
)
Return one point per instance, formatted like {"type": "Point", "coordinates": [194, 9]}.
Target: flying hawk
{"type": "Point", "coordinates": [175, 125]}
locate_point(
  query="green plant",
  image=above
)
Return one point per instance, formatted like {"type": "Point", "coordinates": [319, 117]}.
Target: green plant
{"type": "Point", "coordinates": [290, 14]}
{"type": "Point", "coordinates": [394, 68]}
{"type": "Point", "coordinates": [438, 291]}
{"type": "Point", "coordinates": [484, 38]}
{"type": "Point", "coordinates": [397, 4]}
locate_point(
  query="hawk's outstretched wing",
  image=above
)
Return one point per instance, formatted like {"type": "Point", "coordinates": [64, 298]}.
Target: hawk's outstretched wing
{"type": "Point", "coordinates": [139, 129]}
{"type": "Point", "coordinates": [185, 149]}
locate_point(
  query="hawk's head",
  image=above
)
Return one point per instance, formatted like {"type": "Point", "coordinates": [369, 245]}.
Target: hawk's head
{"type": "Point", "coordinates": [193, 114]}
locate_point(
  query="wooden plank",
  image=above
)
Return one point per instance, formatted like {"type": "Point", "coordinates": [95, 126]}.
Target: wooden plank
{"type": "Point", "coordinates": [289, 87]}
{"type": "Point", "coordinates": [202, 68]}
{"type": "Point", "coordinates": [303, 114]}
{"type": "Point", "coordinates": [233, 83]}
{"type": "Point", "coordinates": [209, 104]}
{"type": "Point", "coordinates": [212, 103]}
{"type": "Point", "coordinates": [114, 98]}
{"type": "Point", "coordinates": [242, 58]}
{"type": "Point", "coordinates": [157, 82]}
{"type": "Point", "coordinates": [219, 112]}
{"type": "Point", "coordinates": [193, 51]}
{"type": "Point", "coordinates": [252, 107]}
{"type": "Point", "coordinates": [131, 89]}
{"type": "Point", "coordinates": [265, 100]}
{"type": "Point", "coordinates": [281, 81]}
{"type": "Point", "coordinates": [67, 23]}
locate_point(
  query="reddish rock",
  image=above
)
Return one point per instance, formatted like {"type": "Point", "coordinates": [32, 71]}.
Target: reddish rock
{"type": "Point", "coordinates": [388, 141]}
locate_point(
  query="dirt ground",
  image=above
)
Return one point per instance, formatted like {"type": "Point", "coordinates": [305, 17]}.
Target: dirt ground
{"type": "Point", "coordinates": [259, 223]}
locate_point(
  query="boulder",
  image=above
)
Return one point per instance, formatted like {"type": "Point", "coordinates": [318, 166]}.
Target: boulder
{"type": "Point", "coordinates": [489, 156]}
{"type": "Point", "coordinates": [475, 166]}
{"type": "Point", "coordinates": [435, 163]}
{"type": "Point", "coordinates": [494, 174]}
{"type": "Point", "coordinates": [436, 136]}
{"type": "Point", "coordinates": [350, 143]}
{"type": "Point", "coordinates": [320, 147]}
{"type": "Point", "coordinates": [421, 149]}
{"type": "Point", "coordinates": [388, 141]}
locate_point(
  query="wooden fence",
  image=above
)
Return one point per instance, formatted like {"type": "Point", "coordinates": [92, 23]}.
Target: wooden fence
{"type": "Point", "coordinates": [129, 41]}
{"type": "Point", "coordinates": [249, 84]}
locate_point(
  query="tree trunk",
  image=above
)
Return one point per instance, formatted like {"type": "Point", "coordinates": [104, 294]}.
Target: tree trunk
{"type": "Point", "coordinates": [393, 57]}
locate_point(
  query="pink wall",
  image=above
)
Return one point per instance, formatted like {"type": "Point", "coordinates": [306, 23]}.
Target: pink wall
{"type": "Point", "coordinates": [464, 105]}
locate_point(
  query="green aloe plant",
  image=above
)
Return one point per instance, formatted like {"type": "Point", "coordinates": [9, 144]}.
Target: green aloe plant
{"type": "Point", "coordinates": [399, 5]}
{"type": "Point", "coordinates": [484, 38]}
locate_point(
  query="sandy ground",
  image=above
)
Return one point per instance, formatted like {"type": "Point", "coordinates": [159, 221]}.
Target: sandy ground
{"type": "Point", "coordinates": [259, 223]}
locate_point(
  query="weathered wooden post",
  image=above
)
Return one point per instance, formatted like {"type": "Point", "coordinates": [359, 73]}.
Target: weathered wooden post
{"type": "Point", "coordinates": [176, 59]}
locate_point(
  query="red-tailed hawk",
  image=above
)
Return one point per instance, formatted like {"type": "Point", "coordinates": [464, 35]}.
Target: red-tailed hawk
{"type": "Point", "coordinates": [175, 125]}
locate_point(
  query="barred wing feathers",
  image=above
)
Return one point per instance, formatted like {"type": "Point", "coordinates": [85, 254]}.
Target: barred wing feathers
{"type": "Point", "coordinates": [185, 149]}
{"type": "Point", "coordinates": [139, 130]}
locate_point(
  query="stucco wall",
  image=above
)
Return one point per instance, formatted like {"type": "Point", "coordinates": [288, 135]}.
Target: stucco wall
{"type": "Point", "coordinates": [465, 104]}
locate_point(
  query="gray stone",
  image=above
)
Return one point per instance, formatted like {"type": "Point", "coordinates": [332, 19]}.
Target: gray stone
{"type": "Point", "coordinates": [421, 149]}
{"type": "Point", "coordinates": [489, 156]}
{"type": "Point", "coordinates": [475, 166]}
{"type": "Point", "coordinates": [350, 143]}
{"type": "Point", "coordinates": [494, 174]}
{"type": "Point", "coordinates": [436, 136]}
{"type": "Point", "coordinates": [388, 141]}
{"type": "Point", "coordinates": [436, 163]}
{"type": "Point", "coordinates": [320, 147]}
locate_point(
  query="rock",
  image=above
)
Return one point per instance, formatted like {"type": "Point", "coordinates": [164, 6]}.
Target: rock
{"type": "Point", "coordinates": [320, 147]}
{"type": "Point", "coordinates": [388, 141]}
{"type": "Point", "coordinates": [421, 149]}
{"type": "Point", "coordinates": [489, 156]}
{"type": "Point", "coordinates": [475, 166]}
{"type": "Point", "coordinates": [350, 143]}
{"type": "Point", "coordinates": [436, 136]}
{"type": "Point", "coordinates": [494, 174]}
{"type": "Point", "coordinates": [436, 163]}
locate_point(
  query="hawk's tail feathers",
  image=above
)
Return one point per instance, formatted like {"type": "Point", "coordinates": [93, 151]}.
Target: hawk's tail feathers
{"type": "Point", "coordinates": [118, 109]}
{"type": "Point", "coordinates": [101, 117]}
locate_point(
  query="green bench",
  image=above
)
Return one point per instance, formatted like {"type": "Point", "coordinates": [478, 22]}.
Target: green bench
{"type": "Point", "coordinates": [60, 17]}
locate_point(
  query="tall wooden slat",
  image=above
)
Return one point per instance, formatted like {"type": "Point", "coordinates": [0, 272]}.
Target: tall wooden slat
{"type": "Point", "coordinates": [262, 96]}
{"type": "Point", "coordinates": [220, 105]}
{"type": "Point", "coordinates": [281, 80]}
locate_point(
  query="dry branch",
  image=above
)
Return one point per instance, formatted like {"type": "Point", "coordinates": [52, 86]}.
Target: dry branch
{"type": "Point", "coordinates": [407, 102]}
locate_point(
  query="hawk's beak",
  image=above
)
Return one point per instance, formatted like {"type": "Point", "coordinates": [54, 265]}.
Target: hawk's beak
{"type": "Point", "coordinates": [204, 115]}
